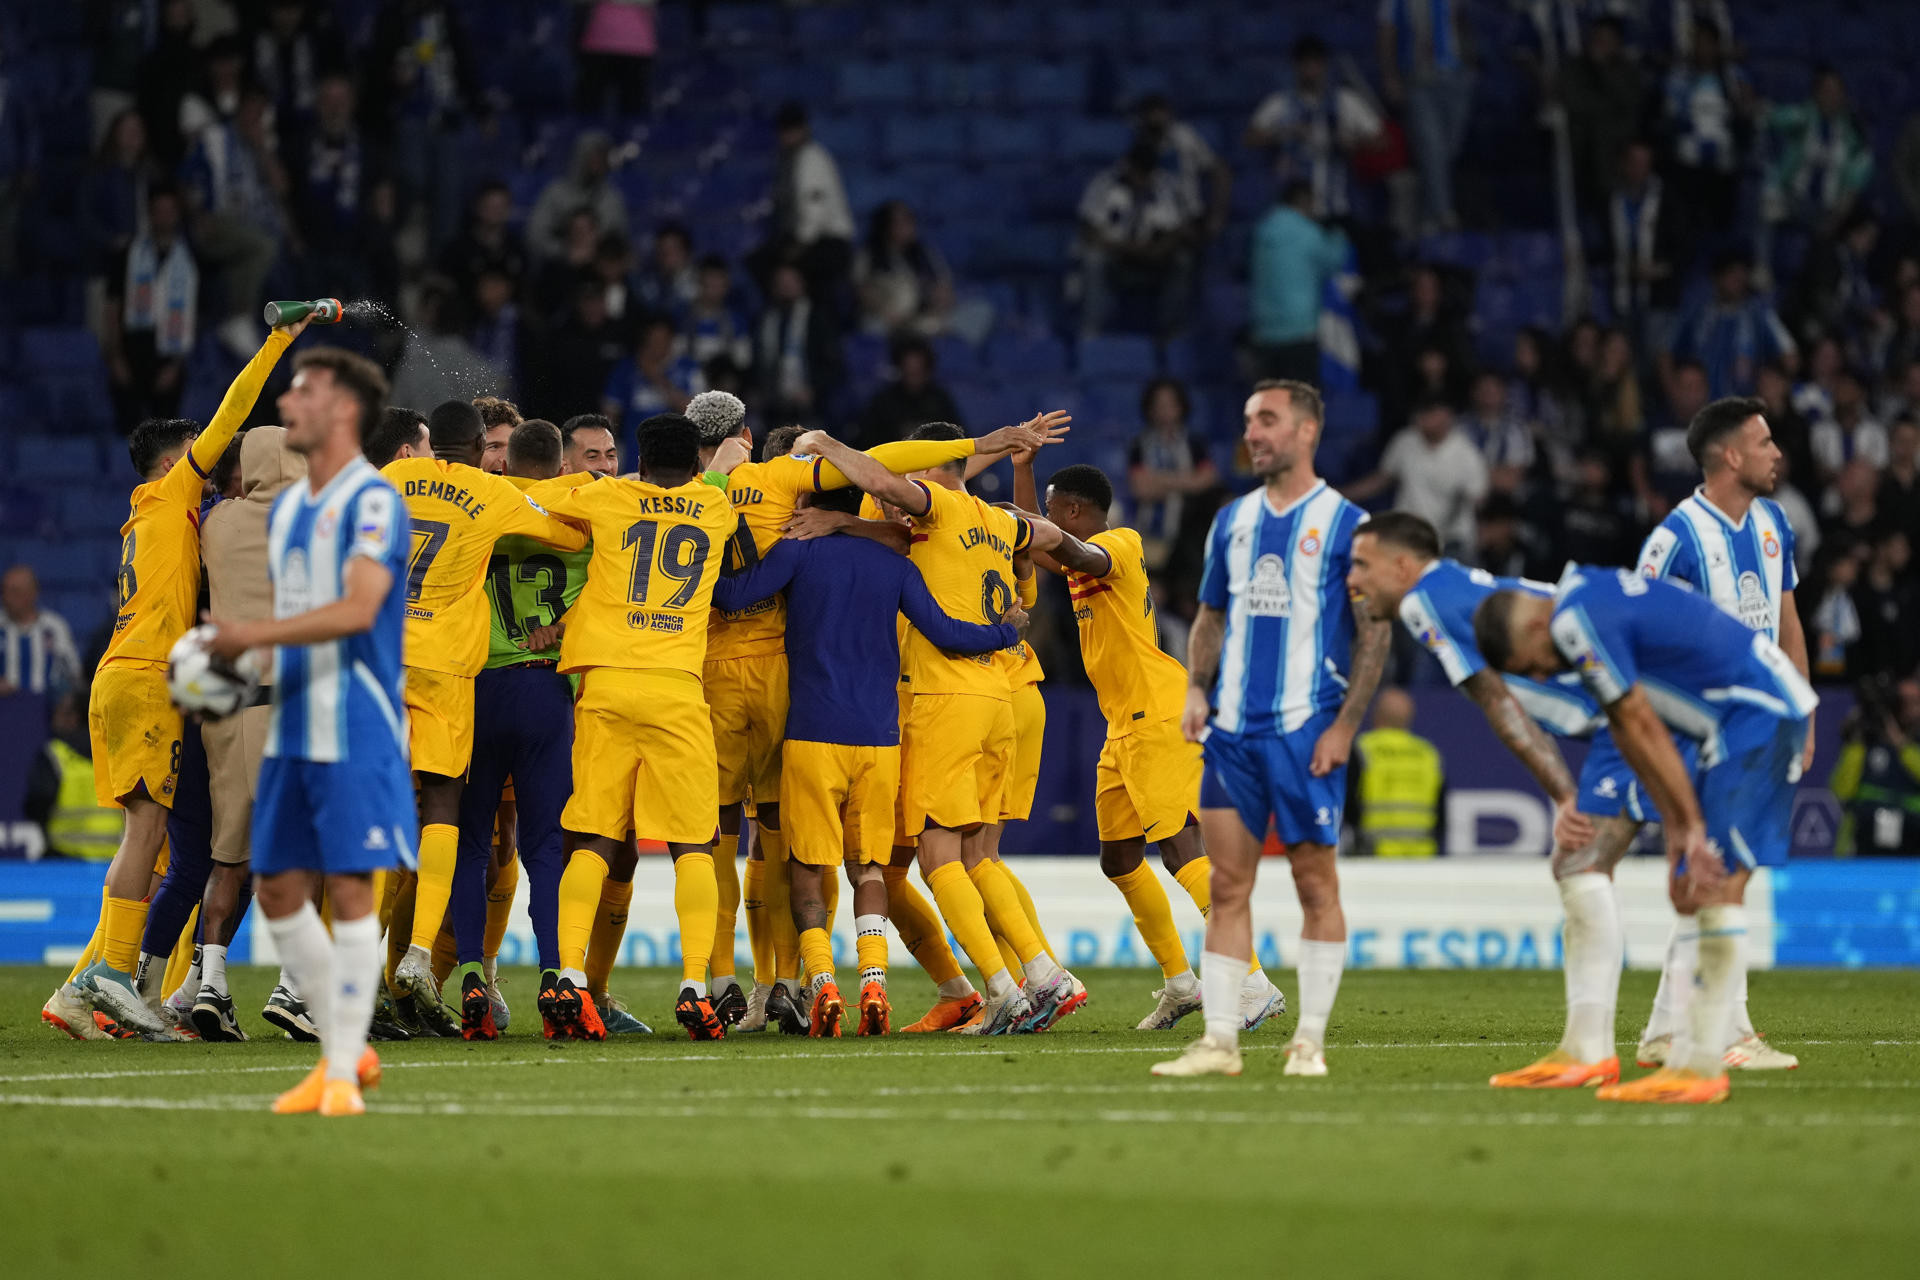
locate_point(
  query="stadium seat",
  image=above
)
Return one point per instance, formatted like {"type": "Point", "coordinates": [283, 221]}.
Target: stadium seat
{"type": "Point", "coordinates": [919, 136]}
{"type": "Point", "coordinates": [831, 30]}
{"type": "Point", "coordinates": [1081, 30]}
{"type": "Point", "coordinates": [730, 26]}
{"type": "Point", "coordinates": [952, 82]}
{"type": "Point", "coordinates": [955, 358]}
{"type": "Point", "coordinates": [1117, 356]}
{"type": "Point", "coordinates": [68, 350]}
{"type": "Point", "coordinates": [23, 511]}
{"type": "Point", "coordinates": [1171, 27]}
{"type": "Point", "coordinates": [1057, 85]}
{"type": "Point", "coordinates": [1085, 139]}
{"type": "Point", "coordinates": [69, 457]}
{"type": "Point", "coordinates": [1020, 139]}
{"type": "Point", "coordinates": [1258, 30]}
{"type": "Point", "coordinates": [909, 27]}
{"type": "Point", "coordinates": [874, 84]}
{"type": "Point", "coordinates": [1026, 355]}
{"type": "Point", "coordinates": [848, 135]}
{"type": "Point", "coordinates": [998, 26]}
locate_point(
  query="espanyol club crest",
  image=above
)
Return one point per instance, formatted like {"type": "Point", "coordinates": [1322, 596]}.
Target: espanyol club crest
{"type": "Point", "coordinates": [1770, 544]}
{"type": "Point", "coordinates": [1310, 545]}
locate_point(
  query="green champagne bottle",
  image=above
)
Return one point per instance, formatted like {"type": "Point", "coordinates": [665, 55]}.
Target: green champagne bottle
{"type": "Point", "coordinates": [323, 311]}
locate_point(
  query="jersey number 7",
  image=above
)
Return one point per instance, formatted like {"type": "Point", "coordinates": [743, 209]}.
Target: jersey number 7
{"type": "Point", "coordinates": [428, 537]}
{"type": "Point", "coordinates": [682, 559]}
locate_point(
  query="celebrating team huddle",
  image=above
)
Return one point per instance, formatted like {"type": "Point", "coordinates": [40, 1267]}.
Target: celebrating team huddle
{"type": "Point", "coordinates": [490, 653]}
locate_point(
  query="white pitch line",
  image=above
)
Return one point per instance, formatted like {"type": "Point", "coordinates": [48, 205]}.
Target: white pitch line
{"type": "Point", "coordinates": [1619, 1117]}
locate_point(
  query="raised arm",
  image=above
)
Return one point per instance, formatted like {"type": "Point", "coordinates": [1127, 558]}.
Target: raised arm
{"type": "Point", "coordinates": [1371, 638]}
{"type": "Point", "coordinates": [185, 482]}
{"type": "Point", "coordinates": [1013, 442]}
{"type": "Point", "coordinates": [866, 472]}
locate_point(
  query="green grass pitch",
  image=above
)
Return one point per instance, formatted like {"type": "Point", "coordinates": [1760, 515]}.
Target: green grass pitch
{"type": "Point", "coordinates": [937, 1156]}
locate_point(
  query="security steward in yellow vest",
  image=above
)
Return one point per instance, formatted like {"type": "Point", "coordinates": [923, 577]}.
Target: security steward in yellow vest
{"type": "Point", "coordinates": [60, 793]}
{"type": "Point", "coordinates": [1399, 783]}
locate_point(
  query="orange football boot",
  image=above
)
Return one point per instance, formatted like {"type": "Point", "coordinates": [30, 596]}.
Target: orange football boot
{"type": "Point", "coordinates": [310, 1094]}
{"type": "Point", "coordinates": [1669, 1084]}
{"type": "Point", "coordinates": [828, 1010]}
{"type": "Point", "coordinates": [876, 1014]}
{"type": "Point", "coordinates": [1559, 1070]}
{"type": "Point", "coordinates": [573, 1010]}
{"type": "Point", "coordinates": [948, 1014]}
{"type": "Point", "coordinates": [342, 1098]}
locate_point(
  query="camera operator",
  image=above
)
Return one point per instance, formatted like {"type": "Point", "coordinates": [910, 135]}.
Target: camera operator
{"type": "Point", "coordinates": [1877, 777]}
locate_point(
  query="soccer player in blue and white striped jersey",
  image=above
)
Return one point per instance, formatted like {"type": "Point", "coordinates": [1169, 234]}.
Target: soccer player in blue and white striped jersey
{"type": "Point", "coordinates": [1731, 543]}
{"type": "Point", "coordinates": [334, 797]}
{"type": "Point", "coordinates": [1281, 672]}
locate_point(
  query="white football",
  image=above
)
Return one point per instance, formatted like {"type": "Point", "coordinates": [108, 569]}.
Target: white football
{"type": "Point", "coordinates": [206, 685]}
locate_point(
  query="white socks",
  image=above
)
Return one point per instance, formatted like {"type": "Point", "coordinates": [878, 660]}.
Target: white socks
{"type": "Point", "coordinates": [213, 968]}
{"type": "Point", "coordinates": [1001, 985]}
{"type": "Point", "coordinates": [1320, 967]}
{"type": "Point", "coordinates": [1670, 1002]}
{"type": "Point", "coordinates": [956, 988]}
{"type": "Point", "coordinates": [1722, 937]}
{"type": "Point", "coordinates": [1593, 952]}
{"type": "Point", "coordinates": [1742, 1020]}
{"type": "Point", "coordinates": [1220, 978]}
{"type": "Point", "coordinates": [1041, 968]}
{"type": "Point", "coordinates": [698, 986]}
{"type": "Point", "coordinates": [306, 959]}
{"type": "Point", "coordinates": [1182, 984]}
{"type": "Point", "coordinates": [576, 976]}
{"type": "Point", "coordinates": [356, 982]}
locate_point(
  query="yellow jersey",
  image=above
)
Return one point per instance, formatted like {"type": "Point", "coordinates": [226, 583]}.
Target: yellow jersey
{"type": "Point", "coordinates": [656, 555]}
{"type": "Point", "coordinates": [1135, 680]}
{"type": "Point", "coordinates": [158, 582]}
{"type": "Point", "coordinates": [458, 513]}
{"type": "Point", "coordinates": [964, 549]}
{"type": "Point", "coordinates": [1024, 665]}
{"type": "Point", "coordinates": [765, 494]}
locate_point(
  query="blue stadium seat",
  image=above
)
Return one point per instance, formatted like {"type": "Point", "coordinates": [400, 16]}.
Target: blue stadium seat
{"type": "Point", "coordinates": [995, 26]}
{"type": "Point", "coordinates": [1009, 138]}
{"type": "Point", "coordinates": [1257, 30]}
{"type": "Point", "coordinates": [1025, 354]}
{"type": "Point", "coordinates": [89, 508]}
{"type": "Point", "coordinates": [1117, 356]}
{"type": "Point", "coordinates": [69, 457]}
{"type": "Point", "coordinates": [918, 26]}
{"type": "Point", "coordinates": [72, 562]}
{"type": "Point", "coordinates": [847, 134]}
{"type": "Point", "coordinates": [832, 30]}
{"type": "Point", "coordinates": [62, 349]}
{"type": "Point", "coordinates": [874, 84]}
{"type": "Point", "coordinates": [955, 358]}
{"type": "Point", "coordinates": [87, 610]}
{"type": "Point", "coordinates": [729, 26]}
{"type": "Point", "coordinates": [947, 82]}
{"type": "Point", "coordinates": [23, 511]}
{"type": "Point", "coordinates": [1047, 84]}
{"type": "Point", "coordinates": [1139, 79]}
{"type": "Point", "coordinates": [1084, 138]}
{"type": "Point", "coordinates": [1169, 27]}
{"type": "Point", "coordinates": [1082, 30]}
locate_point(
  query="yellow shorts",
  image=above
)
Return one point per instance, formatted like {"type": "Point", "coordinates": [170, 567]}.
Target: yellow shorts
{"type": "Point", "coordinates": [234, 749]}
{"type": "Point", "coordinates": [439, 721]}
{"type": "Point", "coordinates": [960, 749]}
{"type": "Point", "coordinates": [1147, 783]}
{"type": "Point", "coordinates": [135, 730]}
{"type": "Point", "coordinates": [901, 839]}
{"type": "Point", "coordinates": [838, 802]}
{"type": "Point", "coordinates": [1029, 729]}
{"type": "Point", "coordinates": [642, 757]}
{"type": "Point", "coordinates": [749, 701]}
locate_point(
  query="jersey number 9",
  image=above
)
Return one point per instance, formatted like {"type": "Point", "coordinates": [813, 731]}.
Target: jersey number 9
{"type": "Point", "coordinates": [682, 559]}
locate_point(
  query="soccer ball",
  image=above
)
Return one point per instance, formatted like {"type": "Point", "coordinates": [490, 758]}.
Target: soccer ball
{"type": "Point", "coordinates": [206, 685]}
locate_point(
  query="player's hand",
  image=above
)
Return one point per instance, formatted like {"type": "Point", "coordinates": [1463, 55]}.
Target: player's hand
{"type": "Point", "coordinates": [1572, 829]}
{"type": "Point", "coordinates": [1036, 432]}
{"type": "Point", "coordinates": [1019, 619]}
{"type": "Point", "coordinates": [811, 443]}
{"type": "Point", "coordinates": [1806, 753]}
{"type": "Point", "coordinates": [809, 523]}
{"type": "Point", "coordinates": [1193, 721]}
{"type": "Point", "coordinates": [1331, 750]}
{"type": "Point", "coordinates": [298, 327]}
{"type": "Point", "coordinates": [732, 452]}
{"type": "Point", "coordinates": [231, 639]}
{"type": "Point", "coordinates": [543, 638]}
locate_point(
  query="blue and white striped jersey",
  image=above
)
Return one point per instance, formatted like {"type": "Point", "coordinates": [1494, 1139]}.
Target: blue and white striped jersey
{"type": "Point", "coordinates": [1696, 665]}
{"type": "Point", "coordinates": [1742, 567]}
{"type": "Point", "coordinates": [1280, 577]}
{"type": "Point", "coordinates": [1438, 612]}
{"type": "Point", "coordinates": [344, 694]}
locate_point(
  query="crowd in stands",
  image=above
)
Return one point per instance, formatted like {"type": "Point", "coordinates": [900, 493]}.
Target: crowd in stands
{"type": "Point", "coordinates": [1719, 215]}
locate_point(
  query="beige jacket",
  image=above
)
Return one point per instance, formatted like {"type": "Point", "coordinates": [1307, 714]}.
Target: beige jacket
{"type": "Point", "coordinates": [233, 540]}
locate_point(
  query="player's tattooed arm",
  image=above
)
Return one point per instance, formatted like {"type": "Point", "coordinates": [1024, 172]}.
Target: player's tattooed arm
{"type": "Point", "coordinates": [1203, 665]}
{"type": "Point", "coordinates": [1371, 639]}
{"type": "Point", "coordinates": [1532, 747]}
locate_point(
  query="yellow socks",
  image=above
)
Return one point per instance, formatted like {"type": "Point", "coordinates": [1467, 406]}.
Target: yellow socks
{"type": "Point", "coordinates": [816, 953]}
{"type": "Point", "coordinates": [609, 930]}
{"type": "Point", "coordinates": [696, 901]}
{"type": "Point", "coordinates": [1008, 956]}
{"type": "Point", "coordinates": [1026, 905]}
{"type": "Point", "coordinates": [400, 927]}
{"type": "Point", "coordinates": [830, 894]}
{"type": "Point", "coordinates": [726, 877]}
{"type": "Point", "coordinates": [870, 948]}
{"type": "Point", "coordinates": [439, 850]}
{"type": "Point", "coordinates": [500, 906]}
{"type": "Point", "coordinates": [1197, 879]}
{"type": "Point", "coordinates": [966, 915]}
{"type": "Point", "coordinates": [91, 951]}
{"type": "Point", "coordinates": [778, 896]}
{"type": "Point", "coordinates": [1153, 916]}
{"type": "Point", "coordinates": [1003, 910]}
{"type": "Point", "coordinates": [182, 958]}
{"type": "Point", "coordinates": [753, 900]}
{"type": "Point", "coordinates": [125, 920]}
{"type": "Point", "coordinates": [579, 903]}
{"type": "Point", "coordinates": [919, 927]}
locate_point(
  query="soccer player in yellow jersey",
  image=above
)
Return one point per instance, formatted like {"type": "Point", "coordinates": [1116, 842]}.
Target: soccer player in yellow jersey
{"type": "Point", "coordinates": [643, 742]}
{"type": "Point", "coordinates": [133, 722]}
{"type": "Point", "coordinates": [458, 512]}
{"type": "Point", "coordinates": [1147, 784]}
{"type": "Point", "coordinates": [960, 737]}
{"type": "Point", "coordinates": [746, 679]}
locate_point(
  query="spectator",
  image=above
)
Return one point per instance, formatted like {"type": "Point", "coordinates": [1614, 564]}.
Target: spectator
{"type": "Point", "coordinates": [556, 279]}
{"type": "Point", "coordinates": [1734, 332]}
{"type": "Point", "coordinates": [572, 362]}
{"type": "Point", "coordinates": [1204, 181]}
{"type": "Point", "coordinates": [1899, 496]}
{"type": "Point", "coordinates": [1613, 394]}
{"type": "Point", "coordinates": [1644, 250]}
{"type": "Point", "coordinates": [1707, 109]}
{"type": "Point", "coordinates": [1504, 438]}
{"type": "Point", "coordinates": [1313, 128]}
{"type": "Point", "coordinates": [1293, 258]}
{"type": "Point", "coordinates": [1884, 599]}
{"type": "Point", "coordinates": [1135, 244]}
{"type": "Point", "coordinates": [437, 362]}
{"type": "Point", "coordinates": [1424, 68]}
{"type": "Point", "coordinates": [1604, 94]}
{"type": "Point", "coordinates": [909, 400]}
{"type": "Point", "coordinates": [60, 795]}
{"type": "Point", "coordinates": [669, 280]}
{"type": "Point", "coordinates": [114, 199]}
{"type": "Point", "coordinates": [290, 54]}
{"type": "Point", "coordinates": [1877, 775]}
{"type": "Point", "coordinates": [1837, 295]}
{"type": "Point", "coordinates": [796, 352]}
{"type": "Point", "coordinates": [1169, 470]}
{"type": "Point", "coordinates": [215, 99]}
{"type": "Point", "coordinates": [1906, 166]}
{"type": "Point", "coordinates": [148, 321]}
{"type": "Point", "coordinates": [170, 71]}
{"type": "Point", "coordinates": [617, 43]}
{"type": "Point", "coordinates": [1790, 429]}
{"type": "Point", "coordinates": [1430, 322]}
{"type": "Point", "coordinates": [238, 190]}
{"type": "Point", "coordinates": [1852, 505]}
{"type": "Point", "coordinates": [812, 222]}
{"type": "Point", "coordinates": [37, 653]}
{"type": "Point", "coordinates": [1814, 397]}
{"type": "Point", "coordinates": [1850, 433]}
{"type": "Point", "coordinates": [1820, 158]}
{"type": "Point", "coordinates": [1664, 471]}
{"type": "Point", "coordinates": [1594, 528]}
{"type": "Point", "coordinates": [613, 271]}
{"type": "Point", "coordinates": [345, 208]}
{"type": "Point", "coordinates": [904, 284]}
{"type": "Point", "coordinates": [1398, 787]}
{"type": "Point", "coordinates": [1533, 390]}
{"type": "Point", "coordinates": [1438, 473]}
{"type": "Point", "coordinates": [1801, 517]}
{"type": "Point", "coordinates": [421, 90]}
{"type": "Point", "coordinates": [583, 186]}
{"type": "Point", "coordinates": [489, 243]}
{"type": "Point", "coordinates": [712, 325]}
{"type": "Point", "coordinates": [1835, 620]}
{"type": "Point", "coordinates": [1901, 346]}
{"type": "Point", "coordinates": [1500, 542]}
{"type": "Point", "coordinates": [653, 379]}
{"type": "Point", "coordinates": [495, 334]}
